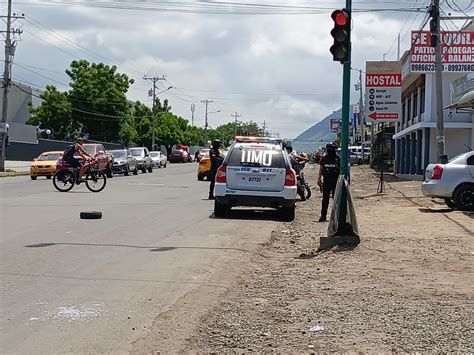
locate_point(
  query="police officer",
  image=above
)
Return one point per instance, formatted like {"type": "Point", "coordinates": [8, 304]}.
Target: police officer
{"type": "Point", "coordinates": [329, 172]}
{"type": "Point", "coordinates": [216, 160]}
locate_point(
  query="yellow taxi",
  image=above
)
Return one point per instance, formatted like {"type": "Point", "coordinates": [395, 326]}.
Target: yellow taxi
{"type": "Point", "coordinates": [45, 164]}
{"type": "Point", "coordinates": [204, 166]}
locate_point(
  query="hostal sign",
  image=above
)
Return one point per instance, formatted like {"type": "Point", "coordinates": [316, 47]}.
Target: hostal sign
{"type": "Point", "coordinates": [383, 93]}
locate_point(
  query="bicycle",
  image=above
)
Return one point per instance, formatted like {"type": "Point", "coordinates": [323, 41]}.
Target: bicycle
{"type": "Point", "coordinates": [66, 177]}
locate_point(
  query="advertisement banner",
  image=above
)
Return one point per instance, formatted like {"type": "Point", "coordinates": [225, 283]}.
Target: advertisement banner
{"type": "Point", "coordinates": [335, 125]}
{"type": "Point", "coordinates": [457, 50]}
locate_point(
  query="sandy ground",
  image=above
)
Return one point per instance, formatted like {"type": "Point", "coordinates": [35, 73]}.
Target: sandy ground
{"type": "Point", "coordinates": [407, 287]}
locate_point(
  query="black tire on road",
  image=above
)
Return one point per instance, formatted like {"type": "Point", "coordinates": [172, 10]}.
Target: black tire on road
{"type": "Point", "coordinates": [91, 215]}
{"type": "Point", "coordinates": [48, 177]}
{"type": "Point", "coordinates": [200, 178]}
{"type": "Point", "coordinates": [150, 169]}
{"type": "Point", "coordinates": [359, 162]}
{"type": "Point", "coordinates": [126, 172]}
{"type": "Point", "coordinates": [109, 172]}
{"type": "Point", "coordinates": [289, 214]}
{"type": "Point", "coordinates": [135, 172]}
{"type": "Point", "coordinates": [144, 170]}
{"type": "Point", "coordinates": [449, 202]}
{"type": "Point", "coordinates": [63, 180]}
{"type": "Point", "coordinates": [33, 177]}
{"type": "Point", "coordinates": [464, 198]}
{"type": "Point", "coordinates": [96, 181]}
{"type": "Point", "coordinates": [220, 209]}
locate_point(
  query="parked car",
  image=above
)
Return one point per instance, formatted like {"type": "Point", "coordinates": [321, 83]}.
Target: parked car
{"type": "Point", "coordinates": [142, 155]}
{"type": "Point", "coordinates": [256, 173]}
{"type": "Point", "coordinates": [104, 160]}
{"type": "Point", "coordinates": [124, 162]}
{"type": "Point", "coordinates": [159, 159]}
{"type": "Point", "coordinates": [453, 182]}
{"type": "Point", "coordinates": [45, 164]}
{"type": "Point", "coordinates": [357, 150]}
{"type": "Point", "coordinates": [178, 156]}
{"type": "Point", "coordinates": [186, 150]}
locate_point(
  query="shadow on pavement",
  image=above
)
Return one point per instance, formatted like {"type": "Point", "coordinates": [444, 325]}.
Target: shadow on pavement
{"type": "Point", "coordinates": [253, 215]}
{"type": "Point", "coordinates": [150, 248]}
{"type": "Point", "coordinates": [433, 210]}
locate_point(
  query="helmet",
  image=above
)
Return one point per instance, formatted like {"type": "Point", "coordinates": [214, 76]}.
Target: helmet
{"type": "Point", "coordinates": [216, 143]}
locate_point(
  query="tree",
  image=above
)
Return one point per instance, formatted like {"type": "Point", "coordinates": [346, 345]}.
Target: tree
{"type": "Point", "coordinates": [54, 113]}
{"type": "Point", "coordinates": [98, 99]}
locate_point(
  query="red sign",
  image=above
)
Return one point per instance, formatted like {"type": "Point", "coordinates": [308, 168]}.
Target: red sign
{"type": "Point", "coordinates": [383, 80]}
{"type": "Point", "coordinates": [457, 50]}
{"type": "Point", "coordinates": [383, 116]}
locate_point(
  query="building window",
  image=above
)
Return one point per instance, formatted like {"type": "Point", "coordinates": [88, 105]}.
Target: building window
{"type": "Point", "coordinates": [409, 110]}
{"type": "Point", "coordinates": [422, 100]}
{"type": "Point", "coordinates": [415, 105]}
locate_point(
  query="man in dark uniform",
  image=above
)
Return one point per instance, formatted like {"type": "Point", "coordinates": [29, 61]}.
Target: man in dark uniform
{"type": "Point", "coordinates": [216, 160]}
{"type": "Point", "coordinates": [329, 172]}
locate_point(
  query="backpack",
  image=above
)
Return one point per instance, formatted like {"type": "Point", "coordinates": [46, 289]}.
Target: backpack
{"type": "Point", "coordinates": [69, 152]}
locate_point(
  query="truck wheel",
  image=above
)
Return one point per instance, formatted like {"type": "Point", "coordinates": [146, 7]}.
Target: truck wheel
{"type": "Point", "coordinates": [464, 198]}
{"type": "Point", "coordinates": [109, 172]}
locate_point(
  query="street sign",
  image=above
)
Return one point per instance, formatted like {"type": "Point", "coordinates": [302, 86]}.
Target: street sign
{"type": "Point", "coordinates": [383, 91]}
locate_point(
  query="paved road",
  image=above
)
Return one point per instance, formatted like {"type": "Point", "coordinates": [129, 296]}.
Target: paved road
{"type": "Point", "coordinates": [93, 286]}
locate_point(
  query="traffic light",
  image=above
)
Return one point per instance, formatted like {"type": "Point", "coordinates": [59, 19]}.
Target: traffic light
{"type": "Point", "coordinates": [342, 35]}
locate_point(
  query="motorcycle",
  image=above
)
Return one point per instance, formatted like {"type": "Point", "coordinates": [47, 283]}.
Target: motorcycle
{"type": "Point", "coordinates": [303, 189]}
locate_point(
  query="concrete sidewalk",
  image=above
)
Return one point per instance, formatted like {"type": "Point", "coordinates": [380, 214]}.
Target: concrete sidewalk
{"type": "Point", "coordinates": [16, 168]}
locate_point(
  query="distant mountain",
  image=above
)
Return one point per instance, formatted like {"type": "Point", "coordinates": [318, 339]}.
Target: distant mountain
{"type": "Point", "coordinates": [318, 135]}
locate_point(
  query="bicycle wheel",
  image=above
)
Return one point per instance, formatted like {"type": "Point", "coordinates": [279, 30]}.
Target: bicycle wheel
{"type": "Point", "coordinates": [96, 180]}
{"type": "Point", "coordinates": [63, 180]}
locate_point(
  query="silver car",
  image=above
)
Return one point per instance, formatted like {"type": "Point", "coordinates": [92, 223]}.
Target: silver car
{"type": "Point", "coordinates": [142, 155]}
{"type": "Point", "coordinates": [124, 162]}
{"type": "Point", "coordinates": [453, 182]}
{"type": "Point", "coordinates": [159, 159]}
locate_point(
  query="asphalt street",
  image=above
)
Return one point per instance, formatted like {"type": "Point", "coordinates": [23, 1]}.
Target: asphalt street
{"type": "Point", "coordinates": [72, 285]}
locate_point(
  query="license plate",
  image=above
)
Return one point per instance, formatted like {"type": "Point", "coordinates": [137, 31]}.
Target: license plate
{"type": "Point", "coordinates": [255, 179]}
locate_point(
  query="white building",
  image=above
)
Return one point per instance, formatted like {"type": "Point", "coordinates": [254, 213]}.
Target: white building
{"type": "Point", "coordinates": [415, 135]}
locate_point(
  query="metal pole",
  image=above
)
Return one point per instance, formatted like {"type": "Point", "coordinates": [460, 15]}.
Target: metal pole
{"type": "Point", "coordinates": [6, 84]}
{"type": "Point", "coordinates": [398, 47]}
{"type": "Point", "coordinates": [346, 97]}
{"type": "Point", "coordinates": [192, 114]}
{"type": "Point", "coordinates": [361, 115]}
{"type": "Point", "coordinates": [440, 138]}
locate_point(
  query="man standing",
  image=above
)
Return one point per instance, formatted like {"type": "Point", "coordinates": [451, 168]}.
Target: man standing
{"type": "Point", "coordinates": [216, 160]}
{"type": "Point", "coordinates": [329, 172]}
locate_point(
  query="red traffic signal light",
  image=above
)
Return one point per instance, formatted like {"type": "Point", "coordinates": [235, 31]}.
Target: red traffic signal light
{"type": "Point", "coordinates": [341, 34]}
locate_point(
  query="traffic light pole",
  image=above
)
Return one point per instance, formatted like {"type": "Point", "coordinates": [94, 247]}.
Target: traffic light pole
{"type": "Point", "coordinates": [346, 97]}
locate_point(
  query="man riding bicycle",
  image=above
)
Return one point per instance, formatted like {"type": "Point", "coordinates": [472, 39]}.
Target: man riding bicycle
{"type": "Point", "coordinates": [76, 149]}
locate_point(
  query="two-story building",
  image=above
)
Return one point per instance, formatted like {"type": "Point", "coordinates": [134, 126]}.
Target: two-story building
{"type": "Point", "coordinates": [415, 134]}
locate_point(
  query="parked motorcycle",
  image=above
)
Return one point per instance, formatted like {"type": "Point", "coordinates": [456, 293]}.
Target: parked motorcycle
{"type": "Point", "coordinates": [303, 189]}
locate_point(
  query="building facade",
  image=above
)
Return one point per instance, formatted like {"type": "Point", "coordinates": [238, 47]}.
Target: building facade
{"type": "Point", "coordinates": [415, 134]}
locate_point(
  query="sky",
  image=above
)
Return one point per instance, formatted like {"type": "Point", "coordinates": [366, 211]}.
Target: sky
{"type": "Point", "coordinates": [268, 67]}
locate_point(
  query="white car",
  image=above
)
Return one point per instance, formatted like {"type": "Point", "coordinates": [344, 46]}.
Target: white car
{"type": "Point", "coordinates": [256, 173]}
{"type": "Point", "coordinates": [203, 153]}
{"type": "Point", "coordinates": [453, 182]}
{"type": "Point", "coordinates": [158, 159]}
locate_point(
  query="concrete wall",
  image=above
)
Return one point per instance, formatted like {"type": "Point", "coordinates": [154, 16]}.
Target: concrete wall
{"type": "Point", "coordinates": [27, 151]}
{"type": "Point", "coordinates": [455, 140]}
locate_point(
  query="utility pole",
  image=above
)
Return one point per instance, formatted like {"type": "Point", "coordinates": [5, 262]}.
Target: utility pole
{"type": "Point", "coordinates": [193, 107]}
{"type": "Point", "coordinates": [398, 47]}
{"type": "Point", "coordinates": [206, 102]}
{"type": "Point", "coordinates": [435, 29]}
{"type": "Point", "coordinates": [9, 53]}
{"type": "Point", "coordinates": [264, 128]}
{"type": "Point", "coordinates": [235, 122]}
{"type": "Point", "coordinates": [154, 80]}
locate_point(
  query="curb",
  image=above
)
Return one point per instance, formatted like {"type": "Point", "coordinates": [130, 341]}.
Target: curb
{"type": "Point", "coordinates": [16, 173]}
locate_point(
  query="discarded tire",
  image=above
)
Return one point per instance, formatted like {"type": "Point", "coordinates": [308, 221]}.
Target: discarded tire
{"type": "Point", "coordinates": [91, 215]}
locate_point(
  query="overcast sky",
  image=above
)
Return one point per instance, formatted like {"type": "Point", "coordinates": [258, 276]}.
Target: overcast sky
{"type": "Point", "coordinates": [275, 68]}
